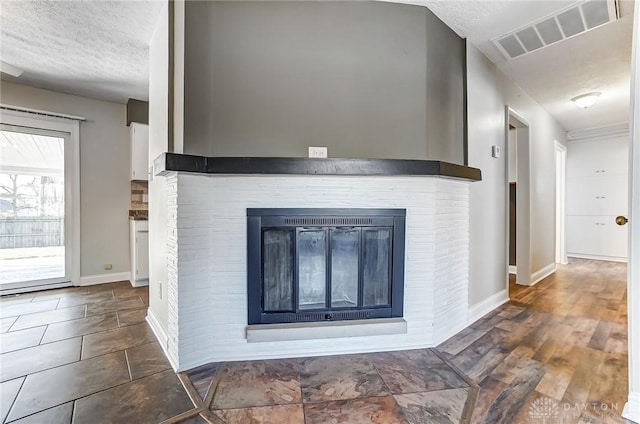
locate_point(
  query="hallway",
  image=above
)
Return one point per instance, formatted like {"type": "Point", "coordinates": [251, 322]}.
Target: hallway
{"type": "Point", "coordinates": [556, 351]}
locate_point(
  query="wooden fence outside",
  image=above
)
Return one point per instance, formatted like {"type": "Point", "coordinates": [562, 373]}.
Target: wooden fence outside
{"type": "Point", "coordinates": [31, 232]}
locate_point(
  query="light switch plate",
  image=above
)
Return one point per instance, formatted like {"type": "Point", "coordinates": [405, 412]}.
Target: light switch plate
{"type": "Point", "coordinates": [317, 152]}
{"type": "Point", "coordinates": [495, 151]}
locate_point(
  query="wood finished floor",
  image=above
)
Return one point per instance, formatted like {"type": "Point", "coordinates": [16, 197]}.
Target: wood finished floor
{"type": "Point", "coordinates": [556, 353]}
{"type": "Point", "coordinates": [559, 346]}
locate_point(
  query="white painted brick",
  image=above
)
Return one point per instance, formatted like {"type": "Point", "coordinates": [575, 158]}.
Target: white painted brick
{"type": "Point", "coordinates": [207, 259]}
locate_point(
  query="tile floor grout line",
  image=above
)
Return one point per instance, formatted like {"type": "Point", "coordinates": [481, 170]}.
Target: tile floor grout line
{"type": "Point", "coordinates": [43, 333]}
{"type": "Point", "coordinates": [126, 358]}
{"type": "Point", "coordinates": [304, 415]}
{"type": "Point", "coordinates": [14, 321]}
{"type": "Point", "coordinates": [81, 347]}
{"type": "Point", "coordinates": [192, 413]}
{"type": "Point", "coordinates": [88, 394]}
{"type": "Point", "coordinates": [30, 313]}
{"type": "Point", "coordinates": [69, 337]}
{"type": "Point", "coordinates": [380, 375]}
{"type": "Point", "coordinates": [14, 399]}
{"type": "Point", "coordinates": [117, 385]}
{"type": "Point", "coordinates": [73, 411]}
{"type": "Point", "coordinates": [44, 410]}
{"type": "Point", "coordinates": [44, 312]}
{"type": "Point", "coordinates": [213, 387]}
{"type": "Point", "coordinates": [474, 388]}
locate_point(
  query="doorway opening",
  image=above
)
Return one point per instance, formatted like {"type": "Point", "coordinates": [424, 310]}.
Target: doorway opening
{"type": "Point", "coordinates": [561, 190]}
{"type": "Point", "coordinates": [39, 202]}
{"type": "Point", "coordinates": [518, 206]}
{"type": "Point", "coordinates": [513, 178]}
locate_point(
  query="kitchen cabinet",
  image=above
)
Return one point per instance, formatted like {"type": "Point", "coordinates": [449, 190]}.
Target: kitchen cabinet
{"type": "Point", "coordinates": [597, 181]}
{"type": "Point", "coordinates": [139, 134]}
{"type": "Point", "coordinates": [139, 250]}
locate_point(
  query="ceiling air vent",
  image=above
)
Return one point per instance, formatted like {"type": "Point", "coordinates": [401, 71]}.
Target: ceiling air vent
{"type": "Point", "coordinates": [568, 22]}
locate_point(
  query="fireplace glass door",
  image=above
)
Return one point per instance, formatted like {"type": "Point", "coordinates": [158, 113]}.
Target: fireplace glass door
{"type": "Point", "coordinates": [312, 268]}
{"type": "Point", "coordinates": [327, 268]}
{"type": "Point", "coordinates": [345, 251]}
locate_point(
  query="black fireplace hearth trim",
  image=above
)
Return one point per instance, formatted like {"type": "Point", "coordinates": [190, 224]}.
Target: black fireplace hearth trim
{"type": "Point", "coordinates": [173, 162]}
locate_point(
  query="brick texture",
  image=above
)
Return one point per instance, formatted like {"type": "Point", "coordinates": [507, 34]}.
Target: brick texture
{"type": "Point", "coordinates": [207, 285]}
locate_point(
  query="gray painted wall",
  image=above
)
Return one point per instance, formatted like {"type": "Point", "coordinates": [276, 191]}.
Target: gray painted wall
{"type": "Point", "coordinates": [365, 79]}
{"type": "Point", "coordinates": [445, 91]}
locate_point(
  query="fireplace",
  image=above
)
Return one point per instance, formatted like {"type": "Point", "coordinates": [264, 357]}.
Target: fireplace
{"type": "Point", "coordinates": [309, 265]}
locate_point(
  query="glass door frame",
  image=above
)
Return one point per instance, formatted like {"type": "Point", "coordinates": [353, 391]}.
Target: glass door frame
{"type": "Point", "coordinates": [69, 128]}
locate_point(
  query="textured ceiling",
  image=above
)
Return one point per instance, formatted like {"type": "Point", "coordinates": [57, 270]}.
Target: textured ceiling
{"type": "Point", "coordinates": [99, 49]}
{"type": "Point", "coordinates": [96, 49]}
{"type": "Point", "coordinates": [599, 60]}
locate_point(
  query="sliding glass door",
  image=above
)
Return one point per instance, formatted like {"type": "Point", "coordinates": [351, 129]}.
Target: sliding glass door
{"type": "Point", "coordinates": [33, 209]}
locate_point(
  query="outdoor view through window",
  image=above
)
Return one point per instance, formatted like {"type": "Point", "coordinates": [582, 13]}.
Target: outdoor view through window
{"type": "Point", "coordinates": [32, 208]}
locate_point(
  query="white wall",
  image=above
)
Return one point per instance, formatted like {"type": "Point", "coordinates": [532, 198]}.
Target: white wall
{"type": "Point", "coordinates": [489, 91]}
{"type": "Point", "coordinates": [488, 198]}
{"type": "Point", "coordinates": [632, 408]}
{"type": "Point", "coordinates": [543, 131]}
{"type": "Point", "coordinates": [158, 143]}
{"type": "Point", "coordinates": [104, 174]}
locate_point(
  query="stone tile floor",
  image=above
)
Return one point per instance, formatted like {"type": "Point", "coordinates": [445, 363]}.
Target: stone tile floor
{"type": "Point", "coordinates": [415, 386]}
{"type": "Point", "coordinates": [86, 355]}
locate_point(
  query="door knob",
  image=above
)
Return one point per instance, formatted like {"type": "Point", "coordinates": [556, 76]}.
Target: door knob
{"type": "Point", "coordinates": [621, 220]}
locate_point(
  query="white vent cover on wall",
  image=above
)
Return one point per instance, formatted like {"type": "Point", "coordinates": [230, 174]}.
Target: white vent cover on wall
{"type": "Point", "coordinates": [568, 22]}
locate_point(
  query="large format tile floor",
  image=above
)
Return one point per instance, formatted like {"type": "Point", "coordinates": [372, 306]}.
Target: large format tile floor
{"type": "Point", "coordinates": [556, 353]}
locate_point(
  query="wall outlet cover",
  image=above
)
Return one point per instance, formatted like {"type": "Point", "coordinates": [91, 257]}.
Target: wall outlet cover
{"type": "Point", "coordinates": [317, 152]}
{"type": "Point", "coordinates": [495, 151]}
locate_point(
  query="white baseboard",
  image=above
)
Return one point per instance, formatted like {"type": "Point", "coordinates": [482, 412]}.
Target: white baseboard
{"type": "Point", "coordinates": [482, 308]}
{"type": "Point", "coordinates": [632, 408]}
{"type": "Point", "coordinates": [513, 269]}
{"type": "Point", "coordinates": [162, 337]}
{"type": "Point", "coordinates": [140, 283]}
{"type": "Point", "coordinates": [597, 257]}
{"type": "Point", "coordinates": [90, 280]}
{"type": "Point", "coordinates": [543, 273]}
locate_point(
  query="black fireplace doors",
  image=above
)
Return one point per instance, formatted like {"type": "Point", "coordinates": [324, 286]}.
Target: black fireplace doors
{"type": "Point", "coordinates": [324, 264]}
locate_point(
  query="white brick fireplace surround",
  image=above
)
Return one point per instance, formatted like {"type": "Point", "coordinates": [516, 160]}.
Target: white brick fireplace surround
{"type": "Point", "coordinates": [207, 280]}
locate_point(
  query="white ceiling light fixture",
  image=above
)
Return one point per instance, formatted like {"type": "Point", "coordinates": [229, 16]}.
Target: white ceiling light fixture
{"type": "Point", "coordinates": [5, 68]}
{"type": "Point", "coordinates": [586, 100]}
